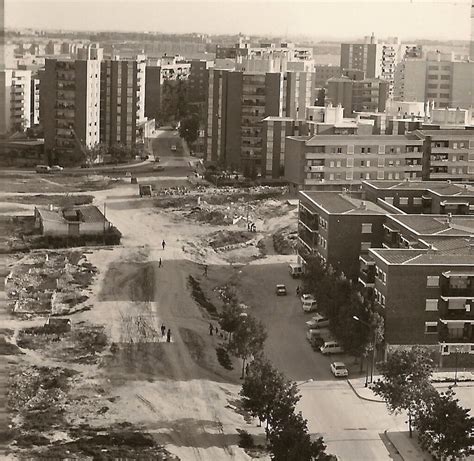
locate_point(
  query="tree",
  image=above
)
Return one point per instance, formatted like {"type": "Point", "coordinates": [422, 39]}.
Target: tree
{"type": "Point", "coordinates": [189, 128]}
{"type": "Point", "coordinates": [230, 318]}
{"type": "Point", "coordinates": [266, 393]}
{"type": "Point", "coordinates": [247, 339]}
{"type": "Point", "coordinates": [406, 382]}
{"type": "Point", "coordinates": [445, 428]}
{"type": "Point", "coordinates": [291, 441]}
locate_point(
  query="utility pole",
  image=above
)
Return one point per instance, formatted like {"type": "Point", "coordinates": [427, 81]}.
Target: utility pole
{"type": "Point", "coordinates": [105, 221]}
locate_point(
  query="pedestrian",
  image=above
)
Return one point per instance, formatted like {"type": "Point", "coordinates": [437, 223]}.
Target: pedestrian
{"type": "Point", "coordinates": [168, 336]}
{"type": "Point", "coordinates": [205, 270]}
{"type": "Point", "coordinates": [159, 263]}
{"type": "Point", "coordinates": [247, 367]}
{"type": "Point", "coordinates": [211, 329]}
{"type": "Point", "coordinates": [217, 331]}
{"type": "Point", "coordinates": [163, 244]}
{"type": "Point", "coordinates": [163, 329]}
{"type": "Point", "coordinates": [298, 290]}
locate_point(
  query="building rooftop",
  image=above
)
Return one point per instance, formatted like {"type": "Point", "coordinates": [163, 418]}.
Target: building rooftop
{"type": "Point", "coordinates": [358, 138]}
{"type": "Point", "coordinates": [463, 256]}
{"type": "Point", "coordinates": [443, 188]}
{"type": "Point", "coordinates": [277, 119]}
{"type": "Point", "coordinates": [338, 203]}
{"type": "Point", "coordinates": [436, 224]}
{"type": "Point", "coordinates": [86, 214]}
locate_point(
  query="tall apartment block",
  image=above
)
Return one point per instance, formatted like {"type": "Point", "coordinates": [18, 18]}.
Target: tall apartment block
{"type": "Point", "coordinates": [15, 100]}
{"type": "Point", "coordinates": [122, 101]}
{"type": "Point", "coordinates": [71, 105]}
{"type": "Point", "coordinates": [236, 106]}
{"type": "Point", "coordinates": [366, 95]}
{"type": "Point", "coordinates": [198, 83]}
{"type": "Point", "coordinates": [376, 59]}
{"type": "Point", "coordinates": [437, 78]}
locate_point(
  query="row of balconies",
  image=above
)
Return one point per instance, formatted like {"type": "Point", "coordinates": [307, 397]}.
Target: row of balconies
{"type": "Point", "coordinates": [457, 332]}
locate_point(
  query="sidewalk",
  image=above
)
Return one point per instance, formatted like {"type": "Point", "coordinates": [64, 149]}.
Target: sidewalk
{"type": "Point", "coordinates": [407, 448]}
{"type": "Point", "coordinates": [364, 393]}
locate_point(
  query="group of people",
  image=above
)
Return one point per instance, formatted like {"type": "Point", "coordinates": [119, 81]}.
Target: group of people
{"type": "Point", "coordinates": [213, 329]}
{"type": "Point", "coordinates": [167, 333]}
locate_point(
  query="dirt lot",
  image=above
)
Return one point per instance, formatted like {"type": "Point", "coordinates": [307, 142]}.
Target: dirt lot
{"type": "Point", "coordinates": [55, 200]}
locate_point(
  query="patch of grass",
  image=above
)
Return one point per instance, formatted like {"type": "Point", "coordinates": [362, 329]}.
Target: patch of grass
{"type": "Point", "coordinates": [199, 296]}
{"type": "Point", "coordinates": [55, 200]}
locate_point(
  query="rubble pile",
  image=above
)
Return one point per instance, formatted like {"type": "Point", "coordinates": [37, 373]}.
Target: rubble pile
{"type": "Point", "coordinates": [49, 282]}
{"type": "Point", "coordinates": [284, 241]}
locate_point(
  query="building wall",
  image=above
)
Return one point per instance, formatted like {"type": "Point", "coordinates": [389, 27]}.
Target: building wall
{"type": "Point", "coordinates": [295, 163]}
{"type": "Point", "coordinates": [410, 80]}
{"type": "Point", "coordinates": [153, 92]}
{"type": "Point", "coordinates": [232, 96]}
{"type": "Point", "coordinates": [324, 72]}
{"type": "Point", "coordinates": [462, 93]}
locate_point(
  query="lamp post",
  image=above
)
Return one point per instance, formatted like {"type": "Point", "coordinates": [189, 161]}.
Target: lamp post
{"type": "Point", "coordinates": [310, 380]}
{"type": "Point", "coordinates": [374, 345]}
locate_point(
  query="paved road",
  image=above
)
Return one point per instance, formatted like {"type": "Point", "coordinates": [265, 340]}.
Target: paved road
{"type": "Point", "coordinates": [352, 428]}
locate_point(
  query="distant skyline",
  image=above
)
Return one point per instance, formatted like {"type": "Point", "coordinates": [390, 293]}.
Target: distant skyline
{"type": "Point", "coordinates": [335, 19]}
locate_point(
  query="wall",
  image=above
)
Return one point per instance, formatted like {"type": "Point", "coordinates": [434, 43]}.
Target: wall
{"type": "Point", "coordinates": [462, 85]}
{"type": "Point", "coordinates": [232, 94]}
{"type": "Point", "coordinates": [152, 92]}
{"type": "Point", "coordinates": [294, 161]}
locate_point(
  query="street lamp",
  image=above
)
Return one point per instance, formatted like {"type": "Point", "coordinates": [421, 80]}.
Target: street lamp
{"type": "Point", "coordinates": [373, 350]}
{"type": "Point", "coordinates": [298, 385]}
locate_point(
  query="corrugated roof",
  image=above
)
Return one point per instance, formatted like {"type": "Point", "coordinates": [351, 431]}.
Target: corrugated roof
{"type": "Point", "coordinates": [337, 203]}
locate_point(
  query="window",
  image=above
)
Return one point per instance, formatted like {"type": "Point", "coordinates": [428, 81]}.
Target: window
{"type": "Point", "coordinates": [417, 201]}
{"type": "Point", "coordinates": [403, 201]}
{"type": "Point", "coordinates": [364, 246]}
{"type": "Point", "coordinates": [431, 327]}
{"type": "Point", "coordinates": [339, 150]}
{"type": "Point", "coordinates": [431, 305]}
{"type": "Point", "coordinates": [367, 228]}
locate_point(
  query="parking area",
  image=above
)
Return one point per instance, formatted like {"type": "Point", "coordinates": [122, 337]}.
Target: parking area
{"type": "Point", "coordinates": [284, 319]}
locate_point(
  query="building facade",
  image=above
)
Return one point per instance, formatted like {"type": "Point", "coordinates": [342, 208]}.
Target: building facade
{"type": "Point", "coordinates": [15, 100]}
{"type": "Point", "coordinates": [122, 101]}
{"type": "Point", "coordinates": [71, 100]}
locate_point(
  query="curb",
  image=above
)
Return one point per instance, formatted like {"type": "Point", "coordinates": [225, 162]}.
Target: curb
{"type": "Point", "coordinates": [360, 396]}
{"type": "Point", "coordinates": [393, 445]}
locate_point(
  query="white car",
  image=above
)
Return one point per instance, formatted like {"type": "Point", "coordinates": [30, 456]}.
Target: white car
{"type": "Point", "coordinates": [281, 290]}
{"type": "Point", "coordinates": [56, 168]}
{"type": "Point", "coordinates": [339, 370]}
{"type": "Point", "coordinates": [317, 321]}
{"type": "Point", "coordinates": [307, 297]}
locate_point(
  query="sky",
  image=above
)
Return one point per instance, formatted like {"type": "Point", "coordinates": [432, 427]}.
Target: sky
{"type": "Point", "coordinates": [435, 19]}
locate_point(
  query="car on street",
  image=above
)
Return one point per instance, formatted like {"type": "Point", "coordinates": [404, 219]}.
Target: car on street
{"type": "Point", "coordinates": [173, 147]}
{"type": "Point", "coordinates": [281, 290]}
{"type": "Point", "coordinates": [56, 168]}
{"type": "Point", "coordinates": [310, 305]}
{"type": "Point", "coordinates": [339, 370]}
{"type": "Point", "coordinates": [43, 169]}
{"type": "Point", "coordinates": [158, 168]}
{"type": "Point", "coordinates": [157, 159]}
{"type": "Point", "coordinates": [331, 347]}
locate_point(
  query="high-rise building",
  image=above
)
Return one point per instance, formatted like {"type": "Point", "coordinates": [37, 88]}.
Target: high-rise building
{"type": "Point", "coordinates": [471, 49]}
{"type": "Point", "coordinates": [438, 78]}
{"type": "Point", "coordinates": [377, 59]}
{"type": "Point", "coordinates": [122, 101]}
{"type": "Point", "coordinates": [366, 95]}
{"type": "Point", "coordinates": [35, 101]}
{"type": "Point", "coordinates": [236, 106]}
{"type": "Point", "coordinates": [70, 106]}
{"type": "Point", "coordinates": [15, 100]}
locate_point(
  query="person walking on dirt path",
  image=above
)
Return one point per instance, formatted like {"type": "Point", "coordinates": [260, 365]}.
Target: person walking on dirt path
{"type": "Point", "coordinates": [159, 263]}
{"type": "Point", "coordinates": [163, 329]}
{"type": "Point", "coordinates": [168, 336]}
{"type": "Point", "coordinates": [211, 329]}
{"type": "Point", "coordinates": [205, 270]}
{"type": "Point", "coordinates": [163, 244]}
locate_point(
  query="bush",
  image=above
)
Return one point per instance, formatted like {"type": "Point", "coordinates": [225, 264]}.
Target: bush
{"type": "Point", "coordinates": [224, 358]}
{"type": "Point", "coordinates": [245, 439]}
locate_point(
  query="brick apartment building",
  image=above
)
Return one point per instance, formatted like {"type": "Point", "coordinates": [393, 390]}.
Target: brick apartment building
{"type": "Point", "coordinates": [427, 197]}
{"type": "Point", "coordinates": [418, 267]}
{"type": "Point", "coordinates": [237, 104]}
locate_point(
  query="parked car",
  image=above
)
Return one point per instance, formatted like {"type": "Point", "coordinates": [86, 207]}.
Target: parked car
{"type": "Point", "coordinates": [42, 168]}
{"type": "Point", "coordinates": [173, 147]}
{"type": "Point", "coordinates": [317, 321]}
{"type": "Point", "coordinates": [157, 159]}
{"type": "Point", "coordinates": [316, 337]}
{"type": "Point", "coordinates": [339, 370]}
{"type": "Point", "coordinates": [331, 347]}
{"type": "Point", "coordinates": [158, 168]}
{"type": "Point", "coordinates": [310, 305]}
{"type": "Point", "coordinates": [281, 290]}
{"type": "Point", "coordinates": [56, 168]}
{"type": "Point", "coordinates": [295, 270]}
{"type": "Point", "coordinates": [307, 297]}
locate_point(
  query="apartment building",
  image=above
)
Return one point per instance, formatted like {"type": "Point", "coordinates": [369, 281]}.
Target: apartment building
{"type": "Point", "coordinates": [198, 83]}
{"type": "Point", "coordinates": [375, 58]}
{"type": "Point", "coordinates": [346, 160]}
{"type": "Point", "coordinates": [438, 78]}
{"type": "Point", "coordinates": [71, 105]}
{"type": "Point", "coordinates": [427, 298]}
{"type": "Point", "coordinates": [337, 228]}
{"type": "Point", "coordinates": [427, 197]}
{"type": "Point", "coordinates": [365, 95]}
{"type": "Point", "coordinates": [236, 106]}
{"type": "Point", "coordinates": [122, 101]}
{"type": "Point", "coordinates": [323, 72]}
{"type": "Point", "coordinates": [15, 100]}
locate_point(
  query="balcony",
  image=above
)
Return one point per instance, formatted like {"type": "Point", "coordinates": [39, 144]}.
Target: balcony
{"type": "Point", "coordinates": [456, 332]}
{"type": "Point", "coordinates": [314, 168]}
{"type": "Point", "coordinates": [307, 237]}
{"type": "Point", "coordinates": [453, 309]}
{"type": "Point", "coordinates": [367, 273]}
{"type": "Point", "coordinates": [450, 150]}
{"type": "Point", "coordinates": [457, 285]}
